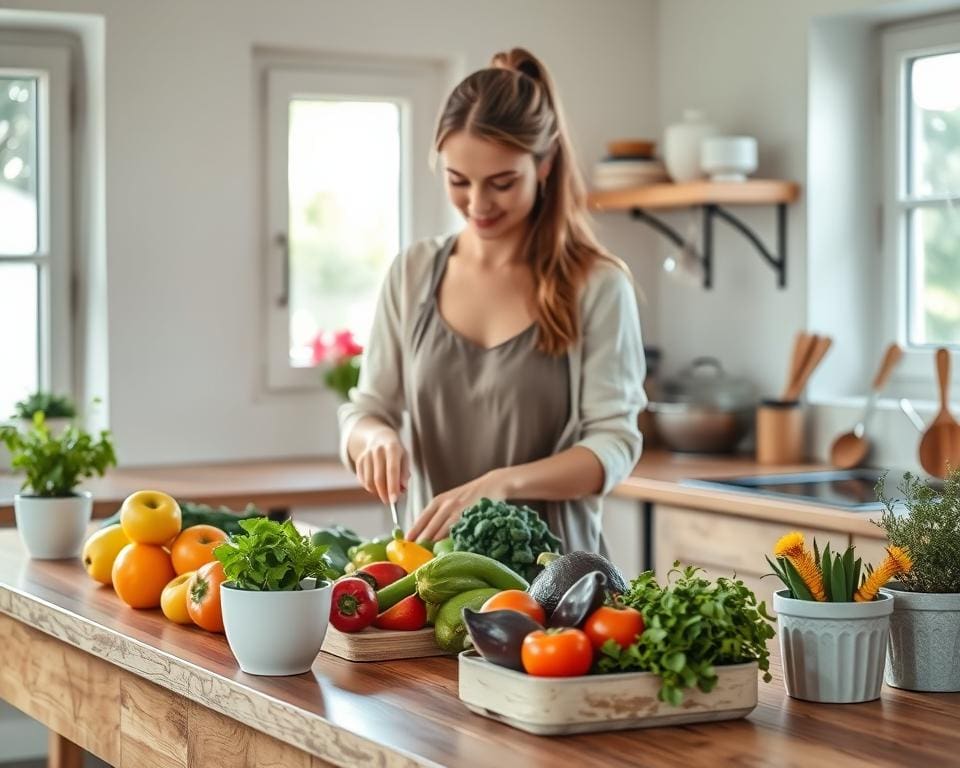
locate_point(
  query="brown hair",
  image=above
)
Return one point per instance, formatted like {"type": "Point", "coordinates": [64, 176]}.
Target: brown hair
{"type": "Point", "coordinates": [513, 102]}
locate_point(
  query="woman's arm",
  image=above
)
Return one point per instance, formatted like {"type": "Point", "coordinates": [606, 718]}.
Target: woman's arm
{"type": "Point", "coordinates": [570, 474]}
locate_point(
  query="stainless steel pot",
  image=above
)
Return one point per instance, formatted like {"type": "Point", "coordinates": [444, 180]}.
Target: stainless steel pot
{"type": "Point", "coordinates": [704, 410]}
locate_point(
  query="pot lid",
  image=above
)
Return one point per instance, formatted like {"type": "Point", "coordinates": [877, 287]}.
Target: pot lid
{"type": "Point", "coordinates": [704, 382]}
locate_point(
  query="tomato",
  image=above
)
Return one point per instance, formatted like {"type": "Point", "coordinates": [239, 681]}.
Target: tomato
{"type": "Point", "coordinates": [382, 574]}
{"type": "Point", "coordinates": [140, 573]}
{"type": "Point", "coordinates": [408, 615]}
{"type": "Point", "coordinates": [556, 653]}
{"type": "Point", "coordinates": [150, 517]}
{"type": "Point", "coordinates": [353, 604]}
{"type": "Point", "coordinates": [622, 625]}
{"type": "Point", "coordinates": [516, 600]}
{"type": "Point", "coordinates": [194, 547]}
{"type": "Point", "coordinates": [203, 597]}
{"type": "Point", "coordinates": [173, 599]}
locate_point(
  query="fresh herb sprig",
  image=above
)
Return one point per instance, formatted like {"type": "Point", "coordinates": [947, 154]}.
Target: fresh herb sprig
{"type": "Point", "coordinates": [929, 529]}
{"type": "Point", "coordinates": [692, 626]}
{"type": "Point", "coordinates": [272, 556]}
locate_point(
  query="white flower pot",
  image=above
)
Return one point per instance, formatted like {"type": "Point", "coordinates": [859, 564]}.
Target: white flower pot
{"type": "Point", "coordinates": [924, 651]}
{"type": "Point", "coordinates": [681, 146]}
{"type": "Point", "coordinates": [53, 528]}
{"type": "Point", "coordinates": [833, 652]}
{"type": "Point", "coordinates": [56, 426]}
{"type": "Point", "coordinates": [275, 633]}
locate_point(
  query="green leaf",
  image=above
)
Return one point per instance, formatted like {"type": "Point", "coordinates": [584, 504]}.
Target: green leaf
{"type": "Point", "coordinates": [851, 585]}
{"type": "Point", "coordinates": [824, 564]}
{"type": "Point", "coordinates": [856, 576]}
{"type": "Point", "coordinates": [838, 578]}
{"type": "Point", "coordinates": [816, 551]}
{"type": "Point", "coordinates": [675, 662]}
{"type": "Point", "coordinates": [797, 586]}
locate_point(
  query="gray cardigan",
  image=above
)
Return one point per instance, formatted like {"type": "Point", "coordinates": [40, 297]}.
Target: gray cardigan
{"type": "Point", "coordinates": [606, 366]}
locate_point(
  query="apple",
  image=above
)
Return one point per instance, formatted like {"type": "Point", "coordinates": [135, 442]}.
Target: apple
{"type": "Point", "coordinates": [150, 517]}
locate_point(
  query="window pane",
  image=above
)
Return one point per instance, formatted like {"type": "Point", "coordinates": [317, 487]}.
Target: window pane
{"type": "Point", "coordinates": [935, 275]}
{"type": "Point", "coordinates": [18, 166]}
{"type": "Point", "coordinates": [934, 151]}
{"type": "Point", "coordinates": [18, 334]}
{"type": "Point", "coordinates": [344, 190]}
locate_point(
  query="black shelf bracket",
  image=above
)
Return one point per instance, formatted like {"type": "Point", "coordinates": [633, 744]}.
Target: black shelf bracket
{"type": "Point", "coordinates": [712, 211]}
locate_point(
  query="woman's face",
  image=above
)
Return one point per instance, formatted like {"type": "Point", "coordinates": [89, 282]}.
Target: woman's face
{"type": "Point", "coordinates": [493, 186]}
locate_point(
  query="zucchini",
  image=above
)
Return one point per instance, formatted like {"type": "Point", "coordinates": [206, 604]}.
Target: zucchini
{"type": "Point", "coordinates": [449, 629]}
{"type": "Point", "coordinates": [392, 594]}
{"type": "Point", "coordinates": [444, 577]}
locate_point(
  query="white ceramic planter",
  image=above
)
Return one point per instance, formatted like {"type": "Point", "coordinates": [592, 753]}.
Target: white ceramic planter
{"type": "Point", "coordinates": [681, 146]}
{"type": "Point", "coordinates": [728, 158]}
{"type": "Point", "coordinates": [53, 528]}
{"type": "Point", "coordinates": [56, 426]}
{"type": "Point", "coordinates": [275, 633]}
{"type": "Point", "coordinates": [833, 652]}
{"type": "Point", "coordinates": [924, 650]}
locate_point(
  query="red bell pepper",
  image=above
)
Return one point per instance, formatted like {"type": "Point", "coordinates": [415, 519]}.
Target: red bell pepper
{"type": "Point", "coordinates": [353, 604]}
{"type": "Point", "coordinates": [382, 573]}
{"type": "Point", "coordinates": [407, 615]}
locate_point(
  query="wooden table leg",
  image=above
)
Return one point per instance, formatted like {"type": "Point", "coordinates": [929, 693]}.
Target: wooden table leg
{"type": "Point", "coordinates": [63, 753]}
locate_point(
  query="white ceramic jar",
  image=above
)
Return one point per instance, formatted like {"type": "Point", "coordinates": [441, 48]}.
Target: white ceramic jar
{"type": "Point", "coordinates": [728, 158]}
{"type": "Point", "coordinates": [681, 146]}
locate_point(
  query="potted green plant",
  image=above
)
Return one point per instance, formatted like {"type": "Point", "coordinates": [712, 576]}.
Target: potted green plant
{"type": "Point", "coordinates": [924, 652]}
{"type": "Point", "coordinates": [58, 410]}
{"type": "Point", "coordinates": [52, 518]}
{"type": "Point", "coordinates": [833, 620]}
{"type": "Point", "coordinates": [277, 579]}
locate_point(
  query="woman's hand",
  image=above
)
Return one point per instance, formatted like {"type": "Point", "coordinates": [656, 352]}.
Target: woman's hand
{"type": "Point", "coordinates": [435, 521]}
{"type": "Point", "coordinates": [382, 466]}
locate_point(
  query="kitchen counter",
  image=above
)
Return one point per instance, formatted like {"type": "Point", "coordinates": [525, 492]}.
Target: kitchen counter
{"type": "Point", "coordinates": [137, 690]}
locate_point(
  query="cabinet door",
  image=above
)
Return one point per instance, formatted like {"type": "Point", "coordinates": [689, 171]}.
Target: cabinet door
{"type": "Point", "coordinates": [725, 545]}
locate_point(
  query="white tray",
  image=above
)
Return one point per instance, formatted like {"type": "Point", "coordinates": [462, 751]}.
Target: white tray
{"type": "Point", "coordinates": [565, 705]}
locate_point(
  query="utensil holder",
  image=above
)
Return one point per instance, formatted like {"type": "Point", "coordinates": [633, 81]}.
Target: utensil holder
{"type": "Point", "coordinates": [781, 432]}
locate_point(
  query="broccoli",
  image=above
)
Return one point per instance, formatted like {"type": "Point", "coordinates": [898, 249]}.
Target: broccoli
{"type": "Point", "coordinates": [513, 535]}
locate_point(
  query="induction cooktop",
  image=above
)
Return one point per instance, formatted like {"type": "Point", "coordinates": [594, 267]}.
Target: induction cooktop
{"type": "Point", "coordinates": [849, 489]}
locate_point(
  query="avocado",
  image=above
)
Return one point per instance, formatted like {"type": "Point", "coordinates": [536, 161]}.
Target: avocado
{"type": "Point", "coordinates": [566, 570]}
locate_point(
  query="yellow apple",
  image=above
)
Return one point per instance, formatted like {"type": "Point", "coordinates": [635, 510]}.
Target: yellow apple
{"type": "Point", "coordinates": [173, 599]}
{"type": "Point", "coordinates": [101, 549]}
{"type": "Point", "coordinates": [150, 517]}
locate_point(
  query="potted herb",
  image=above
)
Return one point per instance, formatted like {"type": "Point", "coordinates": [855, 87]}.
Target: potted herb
{"type": "Point", "coordinates": [276, 599]}
{"type": "Point", "coordinates": [925, 625]}
{"type": "Point", "coordinates": [833, 620]}
{"type": "Point", "coordinates": [53, 517]}
{"type": "Point", "coordinates": [58, 410]}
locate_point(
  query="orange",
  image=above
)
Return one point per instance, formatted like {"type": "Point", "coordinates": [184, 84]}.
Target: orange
{"type": "Point", "coordinates": [194, 547]}
{"type": "Point", "coordinates": [140, 573]}
{"type": "Point", "coordinates": [173, 600]}
{"type": "Point", "coordinates": [203, 597]}
{"type": "Point", "coordinates": [150, 517]}
{"type": "Point", "coordinates": [516, 600]}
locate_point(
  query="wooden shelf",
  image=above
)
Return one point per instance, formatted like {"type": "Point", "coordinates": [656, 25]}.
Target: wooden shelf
{"type": "Point", "coordinates": [693, 193]}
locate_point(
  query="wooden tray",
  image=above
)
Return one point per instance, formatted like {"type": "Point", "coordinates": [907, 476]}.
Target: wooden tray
{"type": "Point", "coordinates": [372, 644]}
{"type": "Point", "coordinates": [566, 705]}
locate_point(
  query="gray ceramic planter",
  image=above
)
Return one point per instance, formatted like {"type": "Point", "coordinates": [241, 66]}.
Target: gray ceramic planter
{"type": "Point", "coordinates": [833, 652]}
{"type": "Point", "coordinates": [924, 650]}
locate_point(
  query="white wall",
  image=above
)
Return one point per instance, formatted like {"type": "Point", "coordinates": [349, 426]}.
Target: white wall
{"type": "Point", "coordinates": [183, 294]}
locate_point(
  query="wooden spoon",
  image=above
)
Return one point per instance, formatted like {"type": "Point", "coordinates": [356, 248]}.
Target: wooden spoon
{"type": "Point", "coordinates": [821, 345]}
{"type": "Point", "coordinates": [851, 448]}
{"type": "Point", "coordinates": [802, 344]}
{"type": "Point", "coordinates": [940, 445]}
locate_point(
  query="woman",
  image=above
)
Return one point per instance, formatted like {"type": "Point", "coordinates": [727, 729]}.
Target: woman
{"type": "Point", "coordinates": [514, 346]}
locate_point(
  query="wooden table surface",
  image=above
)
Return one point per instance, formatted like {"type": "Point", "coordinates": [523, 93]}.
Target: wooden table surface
{"type": "Point", "coordinates": [388, 713]}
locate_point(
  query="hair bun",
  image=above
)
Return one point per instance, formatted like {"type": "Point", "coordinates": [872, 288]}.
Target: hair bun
{"type": "Point", "coordinates": [519, 60]}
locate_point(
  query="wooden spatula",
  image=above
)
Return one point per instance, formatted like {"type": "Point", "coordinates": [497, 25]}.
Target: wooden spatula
{"type": "Point", "coordinates": [820, 347]}
{"type": "Point", "coordinates": [940, 445]}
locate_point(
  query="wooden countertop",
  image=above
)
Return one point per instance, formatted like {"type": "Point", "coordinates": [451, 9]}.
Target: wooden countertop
{"type": "Point", "coordinates": [285, 483]}
{"type": "Point", "coordinates": [407, 712]}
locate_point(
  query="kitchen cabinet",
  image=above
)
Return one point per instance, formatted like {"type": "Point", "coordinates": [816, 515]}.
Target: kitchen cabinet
{"type": "Point", "coordinates": [724, 544]}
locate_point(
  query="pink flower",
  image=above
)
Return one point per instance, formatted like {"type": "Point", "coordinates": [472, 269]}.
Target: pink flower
{"type": "Point", "coordinates": [335, 348]}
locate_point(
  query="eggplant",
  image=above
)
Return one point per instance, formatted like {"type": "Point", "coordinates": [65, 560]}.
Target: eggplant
{"type": "Point", "coordinates": [578, 602]}
{"type": "Point", "coordinates": [498, 635]}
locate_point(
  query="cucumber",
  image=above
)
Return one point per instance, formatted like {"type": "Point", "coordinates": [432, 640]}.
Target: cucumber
{"type": "Point", "coordinates": [392, 594]}
{"type": "Point", "coordinates": [456, 572]}
{"type": "Point", "coordinates": [448, 627]}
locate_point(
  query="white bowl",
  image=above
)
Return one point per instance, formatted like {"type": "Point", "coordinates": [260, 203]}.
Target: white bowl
{"type": "Point", "coordinates": [728, 158]}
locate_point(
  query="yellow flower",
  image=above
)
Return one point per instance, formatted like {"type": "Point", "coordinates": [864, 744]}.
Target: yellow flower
{"type": "Point", "coordinates": [896, 562]}
{"type": "Point", "coordinates": [792, 548]}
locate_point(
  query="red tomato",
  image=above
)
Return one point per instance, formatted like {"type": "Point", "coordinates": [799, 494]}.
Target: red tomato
{"type": "Point", "coordinates": [516, 600]}
{"type": "Point", "coordinates": [203, 597]}
{"type": "Point", "coordinates": [622, 625]}
{"type": "Point", "coordinates": [409, 614]}
{"type": "Point", "coordinates": [557, 653]}
{"type": "Point", "coordinates": [382, 573]}
{"type": "Point", "coordinates": [353, 604]}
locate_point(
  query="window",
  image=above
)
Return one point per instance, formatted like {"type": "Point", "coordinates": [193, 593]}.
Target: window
{"type": "Point", "coordinates": [921, 94]}
{"type": "Point", "coordinates": [34, 221]}
{"type": "Point", "coordinates": [348, 186]}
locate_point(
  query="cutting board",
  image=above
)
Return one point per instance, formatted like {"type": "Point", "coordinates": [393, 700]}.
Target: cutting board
{"type": "Point", "coordinates": [372, 644]}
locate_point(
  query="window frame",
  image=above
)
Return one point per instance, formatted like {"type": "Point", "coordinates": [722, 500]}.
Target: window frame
{"type": "Point", "coordinates": [899, 44]}
{"type": "Point", "coordinates": [416, 88]}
